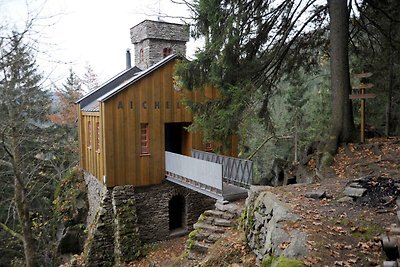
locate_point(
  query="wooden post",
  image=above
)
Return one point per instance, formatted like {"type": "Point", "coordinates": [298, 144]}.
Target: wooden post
{"type": "Point", "coordinates": [359, 93]}
{"type": "Point", "coordinates": [362, 114]}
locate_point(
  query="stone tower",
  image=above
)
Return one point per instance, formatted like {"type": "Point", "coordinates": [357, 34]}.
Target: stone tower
{"type": "Point", "coordinates": [154, 40]}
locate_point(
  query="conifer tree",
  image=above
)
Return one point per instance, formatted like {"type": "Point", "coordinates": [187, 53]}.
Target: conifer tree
{"type": "Point", "coordinates": [23, 108]}
{"type": "Point", "coordinates": [70, 92]}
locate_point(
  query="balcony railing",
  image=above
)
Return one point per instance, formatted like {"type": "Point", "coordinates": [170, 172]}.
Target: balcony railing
{"type": "Point", "coordinates": [234, 170]}
{"type": "Point", "coordinates": [195, 172]}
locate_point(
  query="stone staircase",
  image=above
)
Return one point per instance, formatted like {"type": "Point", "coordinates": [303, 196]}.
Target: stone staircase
{"type": "Point", "coordinates": [211, 226]}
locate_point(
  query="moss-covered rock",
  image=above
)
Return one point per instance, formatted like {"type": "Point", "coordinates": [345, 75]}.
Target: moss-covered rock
{"type": "Point", "coordinates": [71, 209]}
{"type": "Point", "coordinates": [270, 261]}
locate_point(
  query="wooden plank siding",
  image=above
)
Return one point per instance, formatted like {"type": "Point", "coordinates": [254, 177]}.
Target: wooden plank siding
{"type": "Point", "coordinates": [91, 151]}
{"type": "Point", "coordinates": [150, 100]}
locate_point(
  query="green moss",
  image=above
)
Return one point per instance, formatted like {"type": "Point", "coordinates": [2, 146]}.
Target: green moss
{"type": "Point", "coordinates": [267, 261]}
{"type": "Point", "coordinates": [327, 159]}
{"type": "Point", "coordinates": [70, 189]}
{"type": "Point", "coordinates": [193, 234]}
{"type": "Point", "coordinates": [201, 218]}
{"type": "Point", "coordinates": [190, 244]}
{"type": "Point", "coordinates": [270, 261]}
{"type": "Point", "coordinates": [367, 232]}
{"type": "Point", "coordinates": [242, 219]}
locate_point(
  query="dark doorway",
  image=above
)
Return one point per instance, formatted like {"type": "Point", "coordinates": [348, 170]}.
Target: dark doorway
{"type": "Point", "coordinates": [176, 208]}
{"type": "Point", "coordinates": [173, 137]}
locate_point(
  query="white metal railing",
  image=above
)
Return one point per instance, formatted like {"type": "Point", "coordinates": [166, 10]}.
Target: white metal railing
{"type": "Point", "coordinates": [205, 174]}
{"type": "Point", "coordinates": [234, 171]}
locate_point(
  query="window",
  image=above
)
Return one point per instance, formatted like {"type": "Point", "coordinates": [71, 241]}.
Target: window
{"type": "Point", "coordinates": [144, 139]}
{"type": "Point", "coordinates": [98, 136]}
{"type": "Point", "coordinates": [167, 51]}
{"type": "Point", "coordinates": [141, 55]}
{"type": "Point", "coordinates": [89, 134]}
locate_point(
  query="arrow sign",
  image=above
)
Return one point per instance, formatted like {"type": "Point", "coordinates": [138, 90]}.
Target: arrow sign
{"type": "Point", "coordinates": [363, 96]}
{"type": "Point", "coordinates": [364, 86]}
{"type": "Point", "coordinates": [363, 75]}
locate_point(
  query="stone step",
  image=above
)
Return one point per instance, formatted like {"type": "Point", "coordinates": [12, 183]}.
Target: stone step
{"type": "Point", "coordinates": [231, 208]}
{"type": "Point", "coordinates": [218, 214]}
{"type": "Point", "coordinates": [201, 235]}
{"type": "Point", "coordinates": [212, 238]}
{"type": "Point", "coordinates": [207, 227]}
{"type": "Point", "coordinates": [222, 222]}
{"type": "Point", "coordinates": [207, 219]}
{"type": "Point", "coordinates": [201, 247]}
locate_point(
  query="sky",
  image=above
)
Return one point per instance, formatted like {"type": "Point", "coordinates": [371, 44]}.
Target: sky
{"type": "Point", "coordinates": [75, 33]}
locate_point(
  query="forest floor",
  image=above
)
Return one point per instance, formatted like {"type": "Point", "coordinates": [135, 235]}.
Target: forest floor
{"type": "Point", "coordinates": [339, 233]}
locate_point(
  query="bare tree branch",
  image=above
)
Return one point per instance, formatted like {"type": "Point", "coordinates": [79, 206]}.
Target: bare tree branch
{"type": "Point", "coordinates": [12, 232]}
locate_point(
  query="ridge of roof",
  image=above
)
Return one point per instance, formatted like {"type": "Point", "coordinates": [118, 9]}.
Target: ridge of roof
{"type": "Point", "coordinates": [137, 77]}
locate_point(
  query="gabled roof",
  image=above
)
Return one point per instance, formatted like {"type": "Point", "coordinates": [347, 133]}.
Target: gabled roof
{"type": "Point", "coordinates": [87, 101]}
{"type": "Point", "coordinates": [137, 77]}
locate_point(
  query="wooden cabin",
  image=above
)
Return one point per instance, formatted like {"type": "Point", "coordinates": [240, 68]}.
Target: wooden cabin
{"type": "Point", "coordinates": [124, 132]}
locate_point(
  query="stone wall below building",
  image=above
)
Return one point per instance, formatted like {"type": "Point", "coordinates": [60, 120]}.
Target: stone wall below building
{"type": "Point", "coordinates": [125, 218]}
{"type": "Point", "coordinates": [127, 242]}
{"type": "Point", "coordinates": [153, 210]}
{"type": "Point", "coordinates": [100, 242]}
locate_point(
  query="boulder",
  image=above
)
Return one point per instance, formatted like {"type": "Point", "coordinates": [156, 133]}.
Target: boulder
{"type": "Point", "coordinates": [266, 223]}
{"type": "Point", "coordinates": [354, 191]}
{"type": "Point", "coordinates": [72, 240]}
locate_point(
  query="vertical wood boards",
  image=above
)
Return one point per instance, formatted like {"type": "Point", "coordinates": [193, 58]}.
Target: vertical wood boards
{"type": "Point", "coordinates": [91, 152]}
{"type": "Point", "coordinates": [151, 100]}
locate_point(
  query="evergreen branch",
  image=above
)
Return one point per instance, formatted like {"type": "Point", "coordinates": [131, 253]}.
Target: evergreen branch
{"type": "Point", "coordinates": [371, 3]}
{"type": "Point", "coordinates": [6, 163]}
{"type": "Point", "coordinates": [264, 142]}
{"type": "Point", "coordinates": [12, 232]}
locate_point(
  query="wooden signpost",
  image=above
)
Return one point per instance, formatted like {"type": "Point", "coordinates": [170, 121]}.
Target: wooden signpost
{"type": "Point", "coordinates": [359, 93]}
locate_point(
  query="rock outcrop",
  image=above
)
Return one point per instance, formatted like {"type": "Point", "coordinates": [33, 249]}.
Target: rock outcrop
{"type": "Point", "coordinates": [269, 226]}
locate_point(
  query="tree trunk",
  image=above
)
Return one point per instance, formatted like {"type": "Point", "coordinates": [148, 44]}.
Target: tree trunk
{"type": "Point", "coordinates": [343, 129]}
{"type": "Point", "coordinates": [24, 219]}
{"type": "Point", "coordinates": [22, 206]}
{"type": "Point", "coordinates": [390, 86]}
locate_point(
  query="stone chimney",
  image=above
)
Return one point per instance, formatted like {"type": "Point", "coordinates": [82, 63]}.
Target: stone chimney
{"type": "Point", "coordinates": [154, 40]}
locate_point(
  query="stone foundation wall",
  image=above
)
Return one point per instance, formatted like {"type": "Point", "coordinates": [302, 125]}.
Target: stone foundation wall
{"type": "Point", "coordinates": [125, 217]}
{"type": "Point", "coordinates": [153, 214]}
{"type": "Point", "coordinates": [127, 243]}
{"type": "Point", "coordinates": [99, 244]}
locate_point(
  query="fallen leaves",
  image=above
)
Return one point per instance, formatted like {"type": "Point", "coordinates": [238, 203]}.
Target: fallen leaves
{"type": "Point", "coordinates": [284, 245]}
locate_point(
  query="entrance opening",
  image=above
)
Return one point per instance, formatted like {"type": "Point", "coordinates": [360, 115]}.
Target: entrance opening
{"type": "Point", "coordinates": [173, 137]}
{"type": "Point", "coordinates": [176, 208]}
